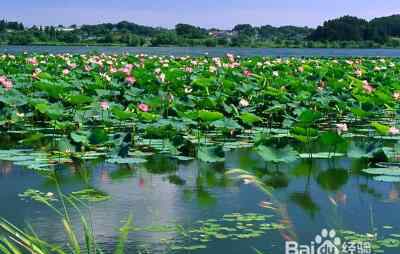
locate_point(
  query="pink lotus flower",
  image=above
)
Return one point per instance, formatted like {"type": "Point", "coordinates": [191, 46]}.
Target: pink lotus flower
{"type": "Point", "coordinates": [113, 70]}
{"type": "Point", "coordinates": [394, 131]}
{"type": "Point", "coordinates": [162, 77]}
{"type": "Point", "coordinates": [32, 61]}
{"type": "Point", "coordinates": [234, 65]}
{"type": "Point", "coordinates": [247, 73]}
{"type": "Point", "coordinates": [127, 71]}
{"type": "Point", "coordinates": [358, 73]}
{"type": "Point", "coordinates": [72, 65]}
{"type": "Point", "coordinates": [7, 85]}
{"type": "Point", "coordinates": [130, 80]}
{"type": "Point", "coordinates": [143, 107]}
{"type": "Point", "coordinates": [367, 87]}
{"type": "Point", "coordinates": [88, 68]}
{"type": "Point", "coordinates": [189, 69]}
{"type": "Point", "coordinates": [104, 105]}
{"type": "Point", "coordinates": [65, 72]}
{"type": "Point", "coordinates": [341, 127]}
{"type": "Point", "coordinates": [231, 57]}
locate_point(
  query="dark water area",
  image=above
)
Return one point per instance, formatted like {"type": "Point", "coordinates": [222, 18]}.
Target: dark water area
{"type": "Point", "coordinates": [311, 194]}
{"type": "Point", "coordinates": [188, 51]}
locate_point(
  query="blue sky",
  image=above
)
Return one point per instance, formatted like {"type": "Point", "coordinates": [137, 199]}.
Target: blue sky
{"type": "Point", "coordinates": [206, 13]}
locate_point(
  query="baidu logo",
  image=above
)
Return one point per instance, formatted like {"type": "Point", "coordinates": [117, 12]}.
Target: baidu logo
{"type": "Point", "coordinates": [327, 243]}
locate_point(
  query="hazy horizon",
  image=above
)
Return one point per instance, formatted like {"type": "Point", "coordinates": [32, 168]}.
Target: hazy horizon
{"type": "Point", "coordinates": [207, 13]}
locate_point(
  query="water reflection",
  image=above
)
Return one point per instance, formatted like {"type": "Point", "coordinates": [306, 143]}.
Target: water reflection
{"type": "Point", "coordinates": [308, 195]}
{"type": "Point", "coordinates": [5, 168]}
{"type": "Point", "coordinates": [393, 195]}
{"type": "Point", "coordinates": [304, 201]}
{"type": "Point", "coordinates": [333, 179]}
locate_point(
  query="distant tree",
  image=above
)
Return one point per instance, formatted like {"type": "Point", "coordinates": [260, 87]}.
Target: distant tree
{"type": "Point", "coordinates": [245, 30]}
{"type": "Point", "coordinates": [267, 32]}
{"type": "Point", "coordinates": [210, 42]}
{"type": "Point", "coordinates": [3, 25]}
{"type": "Point", "coordinates": [134, 41]}
{"type": "Point", "coordinates": [345, 31]}
{"type": "Point", "coordinates": [381, 29]}
{"type": "Point", "coordinates": [189, 31]}
{"type": "Point", "coordinates": [394, 43]}
{"type": "Point", "coordinates": [20, 38]}
{"type": "Point", "coordinates": [34, 29]}
{"type": "Point", "coordinates": [137, 29]}
{"type": "Point", "coordinates": [346, 28]}
{"type": "Point", "coordinates": [223, 41]}
{"type": "Point", "coordinates": [309, 44]}
{"type": "Point", "coordinates": [69, 37]}
{"type": "Point", "coordinates": [241, 41]}
{"type": "Point", "coordinates": [165, 38]}
{"type": "Point", "coordinates": [108, 38]}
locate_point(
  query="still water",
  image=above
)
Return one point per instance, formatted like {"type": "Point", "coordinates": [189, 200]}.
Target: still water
{"type": "Point", "coordinates": [310, 194]}
{"type": "Point", "coordinates": [183, 51]}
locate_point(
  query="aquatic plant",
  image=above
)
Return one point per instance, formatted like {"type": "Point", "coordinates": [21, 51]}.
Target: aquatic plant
{"type": "Point", "coordinates": [66, 109]}
{"type": "Point", "coordinates": [15, 240]}
{"type": "Point", "coordinates": [85, 101]}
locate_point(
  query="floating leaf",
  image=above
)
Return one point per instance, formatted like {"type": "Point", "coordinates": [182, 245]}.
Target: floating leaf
{"type": "Point", "coordinates": [120, 160]}
{"type": "Point", "coordinates": [382, 129]}
{"type": "Point", "coordinates": [80, 99]}
{"type": "Point", "coordinates": [121, 114]}
{"type": "Point", "coordinates": [382, 171]}
{"type": "Point", "coordinates": [250, 118]}
{"type": "Point", "coordinates": [321, 155]}
{"type": "Point", "coordinates": [285, 155]}
{"type": "Point", "coordinates": [91, 195]}
{"type": "Point", "coordinates": [210, 154]}
{"type": "Point", "coordinates": [226, 123]}
{"type": "Point", "coordinates": [210, 116]}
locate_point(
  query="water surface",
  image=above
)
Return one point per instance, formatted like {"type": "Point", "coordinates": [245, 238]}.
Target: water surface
{"type": "Point", "coordinates": [313, 194]}
{"type": "Point", "coordinates": [198, 51]}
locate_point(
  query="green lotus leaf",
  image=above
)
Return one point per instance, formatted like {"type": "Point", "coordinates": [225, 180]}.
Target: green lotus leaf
{"type": "Point", "coordinates": [284, 155]}
{"type": "Point", "coordinates": [210, 116]}
{"type": "Point", "coordinates": [250, 118]}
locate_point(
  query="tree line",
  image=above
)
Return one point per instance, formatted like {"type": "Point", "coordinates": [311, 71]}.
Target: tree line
{"type": "Point", "coordinates": [347, 28]}
{"type": "Point", "coordinates": [345, 31]}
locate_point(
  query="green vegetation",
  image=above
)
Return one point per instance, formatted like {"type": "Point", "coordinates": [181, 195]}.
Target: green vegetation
{"type": "Point", "coordinates": [92, 106]}
{"type": "Point", "coordinates": [344, 32]}
{"type": "Point", "coordinates": [59, 109]}
{"type": "Point", "coordinates": [17, 241]}
{"type": "Point", "coordinates": [382, 31]}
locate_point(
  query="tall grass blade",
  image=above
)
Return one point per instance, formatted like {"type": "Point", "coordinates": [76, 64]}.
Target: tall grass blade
{"type": "Point", "coordinates": [71, 237]}
{"type": "Point", "coordinates": [124, 231]}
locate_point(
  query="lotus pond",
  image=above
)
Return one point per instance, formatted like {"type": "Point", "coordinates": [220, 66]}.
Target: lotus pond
{"type": "Point", "coordinates": [146, 154]}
